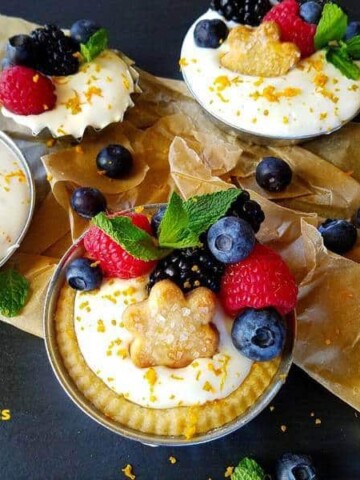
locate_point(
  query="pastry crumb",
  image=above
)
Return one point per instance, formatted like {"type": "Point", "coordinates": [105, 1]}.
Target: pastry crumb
{"type": "Point", "coordinates": [272, 408]}
{"type": "Point", "coordinates": [128, 472]}
{"type": "Point", "coordinates": [317, 421]}
{"type": "Point", "coordinates": [283, 428]}
{"type": "Point", "coordinates": [229, 471]}
{"type": "Point", "coordinates": [172, 460]}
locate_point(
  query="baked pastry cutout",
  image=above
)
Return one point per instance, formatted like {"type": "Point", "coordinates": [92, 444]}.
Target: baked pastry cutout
{"type": "Point", "coordinates": [171, 329]}
{"type": "Point", "coordinates": [259, 51]}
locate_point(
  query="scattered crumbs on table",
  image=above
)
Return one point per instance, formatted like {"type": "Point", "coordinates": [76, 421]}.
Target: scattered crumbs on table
{"type": "Point", "coordinates": [318, 421]}
{"type": "Point", "coordinates": [272, 408]}
{"type": "Point", "coordinates": [283, 428]}
{"type": "Point", "coordinates": [312, 414]}
{"type": "Point", "coordinates": [228, 472]}
{"type": "Point", "coordinates": [128, 472]}
{"type": "Point", "coordinates": [172, 460]}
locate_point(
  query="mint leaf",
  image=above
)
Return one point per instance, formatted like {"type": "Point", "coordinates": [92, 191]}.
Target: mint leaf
{"type": "Point", "coordinates": [175, 223]}
{"type": "Point", "coordinates": [95, 45]}
{"type": "Point", "coordinates": [353, 47]}
{"type": "Point", "coordinates": [332, 25]}
{"type": "Point", "coordinates": [205, 210]}
{"type": "Point", "coordinates": [341, 60]}
{"type": "Point", "coordinates": [14, 290]}
{"type": "Point", "coordinates": [134, 240]}
{"type": "Point", "coordinates": [248, 469]}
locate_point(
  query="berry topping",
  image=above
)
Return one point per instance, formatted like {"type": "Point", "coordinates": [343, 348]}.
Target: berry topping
{"type": "Point", "coordinates": [339, 235]}
{"type": "Point", "coordinates": [248, 12]}
{"type": "Point", "coordinates": [55, 51]}
{"type": "Point", "coordinates": [273, 174]}
{"type": "Point", "coordinates": [259, 334]}
{"type": "Point", "coordinates": [26, 92]}
{"type": "Point", "coordinates": [231, 239]}
{"type": "Point", "coordinates": [293, 28]}
{"type": "Point", "coordinates": [88, 202]}
{"type": "Point", "coordinates": [20, 51]}
{"type": "Point", "coordinates": [311, 12]}
{"type": "Point", "coordinates": [114, 161]}
{"type": "Point", "coordinates": [248, 210]}
{"type": "Point", "coordinates": [82, 30]}
{"type": "Point", "coordinates": [114, 260]}
{"type": "Point", "coordinates": [295, 467]}
{"type": "Point", "coordinates": [210, 33]}
{"type": "Point", "coordinates": [82, 274]}
{"type": "Point", "coordinates": [353, 29]}
{"type": "Point", "coordinates": [189, 268]}
{"type": "Point", "coordinates": [261, 280]}
{"type": "Point", "coordinates": [156, 219]}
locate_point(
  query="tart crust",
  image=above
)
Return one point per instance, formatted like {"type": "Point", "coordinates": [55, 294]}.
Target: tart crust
{"type": "Point", "coordinates": [178, 421]}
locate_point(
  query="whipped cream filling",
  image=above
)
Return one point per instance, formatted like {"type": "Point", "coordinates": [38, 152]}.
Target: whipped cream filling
{"type": "Point", "coordinates": [99, 94]}
{"type": "Point", "coordinates": [14, 200]}
{"type": "Point", "coordinates": [312, 98]}
{"type": "Point", "coordinates": [104, 344]}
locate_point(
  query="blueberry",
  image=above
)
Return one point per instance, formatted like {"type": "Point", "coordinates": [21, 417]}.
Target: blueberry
{"type": "Point", "coordinates": [88, 202]}
{"type": "Point", "coordinates": [339, 235]}
{"type": "Point", "coordinates": [311, 12]}
{"type": "Point", "coordinates": [273, 174]}
{"type": "Point", "coordinates": [115, 161]}
{"type": "Point", "coordinates": [20, 50]}
{"type": "Point", "coordinates": [295, 467]}
{"type": "Point", "coordinates": [259, 334]}
{"type": "Point", "coordinates": [352, 30]}
{"type": "Point", "coordinates": [231, 239]}
{"type": "Point", "coordinates": [82, 30]}
{"type": "Point", "coordinates": [156, 219]}
{"type": "Point", "coordinates": [210, 33]}
{"type": "Point", "coordinates": [82, 274]}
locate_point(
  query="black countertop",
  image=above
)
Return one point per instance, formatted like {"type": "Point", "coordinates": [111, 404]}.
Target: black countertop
{"type": "Point", "coordinates": [49, 438]}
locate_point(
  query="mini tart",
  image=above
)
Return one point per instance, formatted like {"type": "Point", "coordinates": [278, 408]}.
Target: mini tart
{"type": "Point", "coordinates": [313, 98]}
{"type": "Point", "coordinates": [177, 421]}
{"type": "Point", "coordinates": [98, 95]}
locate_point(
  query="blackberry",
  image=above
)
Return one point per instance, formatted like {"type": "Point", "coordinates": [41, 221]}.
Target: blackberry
{"type": "Point", "coordinates": [189, 268]}
{"type": "Point", "coordinates": [55, 51]}
{"type": "Point", "coordinates": [248, 12]}
{"type": "Point", "coordinates": [248, 210]}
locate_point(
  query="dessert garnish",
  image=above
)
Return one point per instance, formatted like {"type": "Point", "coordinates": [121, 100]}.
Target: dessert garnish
{"type": "Point", "coordinates": [114, 161]}
{"type": "Point", "coordinates": [262, 280]}
{"type": "Point", "coordinates": [247, 12]}
{"type": "Point", "coordinates": [88, 202]}
{"type": "Point", "coordinates": [25, 91]}
{"type": "Point", "coordinates": [273, 174]}
{"type": "Point", "coordinates": [291, 466]}
{"type": "Point", "coordinates": [339, 235]}
{"type": "Point", "coordinates": [259, 334]}
{"type": "Point", "coordinates": [258, 51]}
{"type": "Point", "coordinates": [84, 274]}
{"type": "Point", "coordinates": [14, 291]}
{"type": "Point", "coordinates": [248, 469]}
{"type": "Point", "coordinates": [311, 12]}
{"type": "Point", "coordinates": [170, 329]}
{"type": "Point", "coordinates": [210, 33]}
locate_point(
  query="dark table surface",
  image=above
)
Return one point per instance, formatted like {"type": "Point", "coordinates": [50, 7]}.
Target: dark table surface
{"type": "Point", "coordinates": [49, 438]}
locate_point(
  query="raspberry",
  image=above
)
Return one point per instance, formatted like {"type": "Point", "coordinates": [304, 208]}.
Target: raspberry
{"type": "Point", "coordinates": [114, 260]}
{"type": "Point", "coordinates": [261, 280]}
{"type": "Point", "coordinates": [25, 91]}
{"type": "Point", "coordinates": [293, 28]}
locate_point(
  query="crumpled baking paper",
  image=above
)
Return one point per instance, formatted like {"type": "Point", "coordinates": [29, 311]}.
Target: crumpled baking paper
{"type": "Point", "coordinates": [175, 146]}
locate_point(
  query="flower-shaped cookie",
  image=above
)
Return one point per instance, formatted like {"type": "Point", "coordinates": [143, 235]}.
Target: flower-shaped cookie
{"type": "Point", "coordinates": [171, 329]}
{"type": "Point", "coordinates": [259, 51]}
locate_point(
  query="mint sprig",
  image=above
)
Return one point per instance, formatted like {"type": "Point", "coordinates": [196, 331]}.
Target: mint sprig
{"type": "Point", "coordinates": [353, 47]}
{"type": "Point", "coordinates": [248, 469]}
{"type": "Point", "coordinates": [332, 25]}
{"type": "Point", "coordinates": [181, 226]}
{"type": "Point", "coordinates": [134, 240]}
{"type": "Point", "coordinates": [95, 45]}
{"type": "Point", "coordinates": [14, 291]}
{"type": "Point", "coordinates": [341, 60]}
{"type": "Point", "coordinates": [185, 221]}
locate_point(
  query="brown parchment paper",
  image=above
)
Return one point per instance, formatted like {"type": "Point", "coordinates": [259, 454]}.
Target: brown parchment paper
{"type": "Point", "coordinates": [175, 146]}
